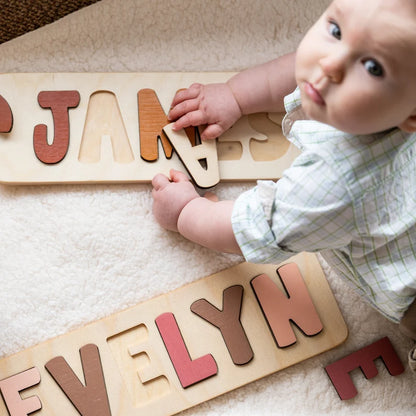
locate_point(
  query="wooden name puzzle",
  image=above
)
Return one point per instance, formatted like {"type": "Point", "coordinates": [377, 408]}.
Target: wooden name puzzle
{"type": "Point", "coordinates": [339, 371]}
{"type": "Point", "coordinates": [109, 127]}
{"type": "Point", "coordinates": [182, 348]}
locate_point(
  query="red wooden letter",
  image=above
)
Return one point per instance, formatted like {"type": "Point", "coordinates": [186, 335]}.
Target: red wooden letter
{"type": "Point", "coordinates": [10, 388]}
{"type": "Point", "coordinates": [188, 371]}
{"type": "Point", "coordinates": [59, 102]}
{"type": "Point", "coordinates": [338, 371]}
{"type": "Point", "coordinates": [228, 322]}
{"type": "Point", "coordinates": [279, 308]}
{"type": "Point", "coordinates": [90, 399]}
{"type": "Point", "coordinates": [6, 116]}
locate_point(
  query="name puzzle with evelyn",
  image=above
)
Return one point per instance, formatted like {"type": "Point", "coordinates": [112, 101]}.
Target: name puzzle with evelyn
{"type": "Point", "coordinates": [181, 348]}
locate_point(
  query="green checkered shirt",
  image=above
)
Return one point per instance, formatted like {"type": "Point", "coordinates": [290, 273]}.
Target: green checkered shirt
{"type": "Point", "coordinates": [351, 198]}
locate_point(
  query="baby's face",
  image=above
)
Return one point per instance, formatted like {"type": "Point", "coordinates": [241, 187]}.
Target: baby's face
{"type": "Point", "coordinates": [356, 67]}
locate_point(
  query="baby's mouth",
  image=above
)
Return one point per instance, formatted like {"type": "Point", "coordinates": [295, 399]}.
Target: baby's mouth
{"type": "Point", "coordinates": [313, 94]}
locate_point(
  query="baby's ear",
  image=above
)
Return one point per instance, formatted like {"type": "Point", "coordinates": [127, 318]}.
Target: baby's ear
{"type": "Point", "coordinates": [409, 125]}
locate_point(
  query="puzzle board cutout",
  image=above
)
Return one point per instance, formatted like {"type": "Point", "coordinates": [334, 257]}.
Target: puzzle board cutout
{"type": "Point", "coordinates": [104, 127]}
{"type": "Point", "coordinates": [182, 348]}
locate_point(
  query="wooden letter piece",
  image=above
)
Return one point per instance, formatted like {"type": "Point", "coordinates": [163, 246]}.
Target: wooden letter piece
{"type": "Point", "coordinates": [10, 388]}
{"type": "Point", "coordinates": [188, 371]}
{"type": "Point", "coordinates": [152, 118]}
{"type": "Point", "coordinates": [338, 371]}
{"type": "Point", "coordinates": [192, 156]}
{"type": "Point", "coordinates": [59, 102]}
{"type": "Point", "coordinates": [90, 399]}
{"type": "Point", "coordinates": [280, 309]}
{"type": "Point", "coordinates": [6, 116]}
{"type": "Point", "coordinates": [139, 362]}
{"type": "Point", "coordinates": [228, 322]}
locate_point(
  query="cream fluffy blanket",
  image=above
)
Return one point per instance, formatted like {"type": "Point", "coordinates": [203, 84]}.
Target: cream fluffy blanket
{"type": "Point", "coordinates": [70, 255]}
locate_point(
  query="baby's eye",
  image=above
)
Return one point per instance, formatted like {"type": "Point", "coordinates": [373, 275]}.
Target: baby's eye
{"type": "Point", "coordinates": [373, 68]}
{"type": "Point", "coordinates": [334, 30]}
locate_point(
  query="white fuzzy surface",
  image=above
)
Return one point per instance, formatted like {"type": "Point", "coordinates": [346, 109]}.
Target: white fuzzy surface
{"type": "Point", "coordinates": [72, 254]}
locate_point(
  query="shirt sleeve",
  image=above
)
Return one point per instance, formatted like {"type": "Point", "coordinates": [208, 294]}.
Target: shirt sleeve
{"type": "Point", "coordinates": [308, 209]}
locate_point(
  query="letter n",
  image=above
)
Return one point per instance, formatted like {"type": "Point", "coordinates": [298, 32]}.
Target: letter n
{"type": "Point", "coordinates": [280, 309]}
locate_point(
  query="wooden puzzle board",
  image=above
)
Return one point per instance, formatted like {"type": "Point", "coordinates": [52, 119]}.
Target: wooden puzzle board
{"type": "Point", "coordinates": [107, 126]}
{"type": "Point", "coordinates": [138, 372]}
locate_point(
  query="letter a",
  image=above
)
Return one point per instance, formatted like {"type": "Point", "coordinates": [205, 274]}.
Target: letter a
{"type": "Point", "coordinates": [104, 122]}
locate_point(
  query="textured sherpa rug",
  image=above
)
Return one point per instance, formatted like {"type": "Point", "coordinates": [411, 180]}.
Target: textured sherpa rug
{"type": "Point", "coordinates": [72, 254]}
{"type": "Point", "coordinates": [21, 16]}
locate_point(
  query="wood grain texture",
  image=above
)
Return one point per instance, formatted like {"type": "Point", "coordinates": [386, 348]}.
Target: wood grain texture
{"type": "Point", "coordinates": [138, 368]}
{"type": "Point", "coordinates": [6, 116]}
{"type": "Point", "coordinates": [115, 134]}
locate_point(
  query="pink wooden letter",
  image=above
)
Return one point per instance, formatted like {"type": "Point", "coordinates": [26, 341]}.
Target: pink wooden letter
{"type": "Point", "coordinates": [10, 388]}
{"type": "Point", "coordinates": [279, 308]}
{"type": "Point", "coordinates": [188, 371]}
{"type": "Point", "coordinates": [338, 371]}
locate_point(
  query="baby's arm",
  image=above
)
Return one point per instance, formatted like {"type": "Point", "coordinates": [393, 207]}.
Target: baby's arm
{"type": "Point", "coordinates": [205, 221]}
{"type": "Point", "coordinates": [258, 89]}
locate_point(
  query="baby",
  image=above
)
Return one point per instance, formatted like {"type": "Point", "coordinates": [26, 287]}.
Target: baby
{"type": "Point", "coordinates": [351, 194]}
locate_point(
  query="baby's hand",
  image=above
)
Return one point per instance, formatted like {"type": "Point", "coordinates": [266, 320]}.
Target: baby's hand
{"type": "Point", "coordinates": [211, 104]}
{"type": "Point", "coordinates": [170, 196]}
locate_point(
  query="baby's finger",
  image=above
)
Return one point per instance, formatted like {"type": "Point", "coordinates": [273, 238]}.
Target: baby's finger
{"type": "Point", "coordinates": [186, 94]}
{"type": "Point", "coordinates": [194, 118]}
{"type": "Point", "coordinates": [183, 108]}
{"type": "Point", "coordinates": [178, 176]}
{"type": "Point", "coordinates": [212, 131]}
{"type": "Point", "coordinates": [159, 181]}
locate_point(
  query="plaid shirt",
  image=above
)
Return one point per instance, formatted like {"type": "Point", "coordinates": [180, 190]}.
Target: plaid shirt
{"type": "Point", "coordinates": [351, 198]}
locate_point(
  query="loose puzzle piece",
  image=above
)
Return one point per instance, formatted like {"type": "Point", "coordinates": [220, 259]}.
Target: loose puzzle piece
{"type": "Point", "coordinates": [177, 350]}
{"type": "Point", "coordinates": [201, 161]}
{"type": "Point", "coordinates": [339, 371]}
{"type": "Point", "coordinates": [109, 128]}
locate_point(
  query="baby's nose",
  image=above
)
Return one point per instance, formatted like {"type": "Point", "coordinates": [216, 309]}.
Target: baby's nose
{"type": "Point", "coordinates": [333, 66]}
